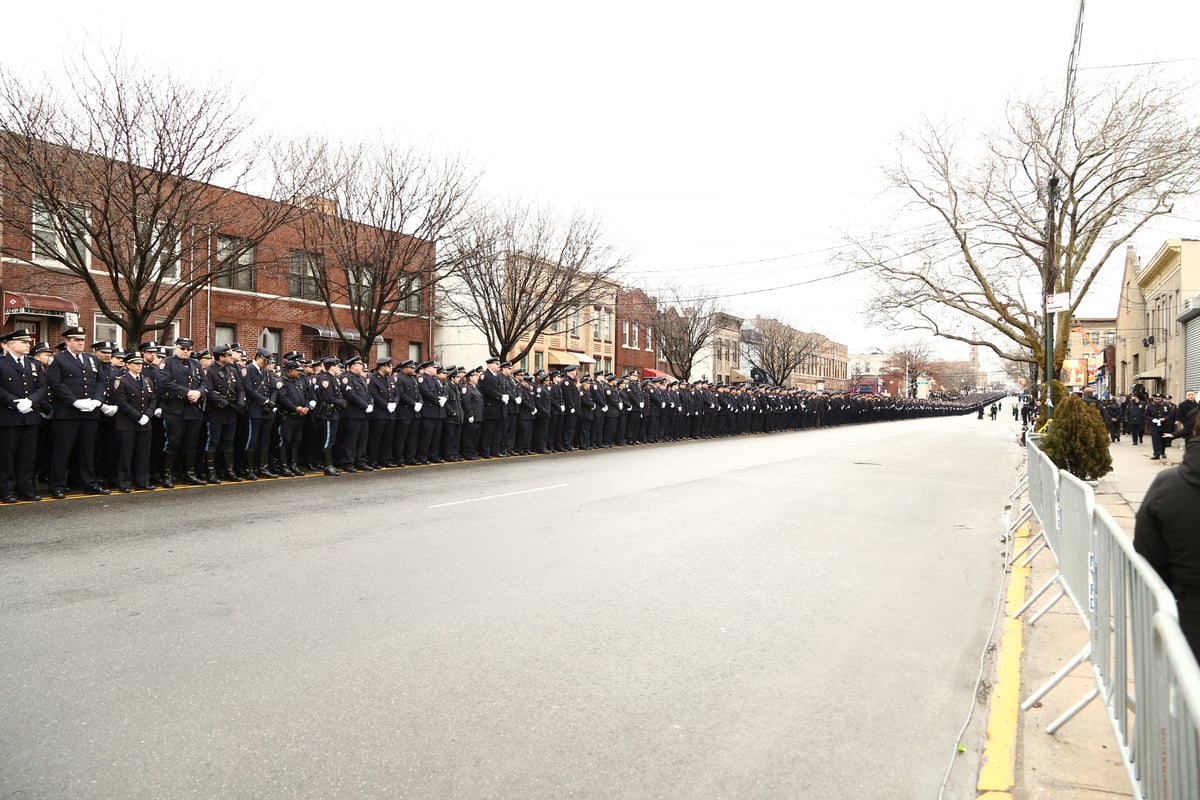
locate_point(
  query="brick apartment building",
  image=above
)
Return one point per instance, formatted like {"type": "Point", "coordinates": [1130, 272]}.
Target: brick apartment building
{"type": "Point", "coordinates": [270, 300]}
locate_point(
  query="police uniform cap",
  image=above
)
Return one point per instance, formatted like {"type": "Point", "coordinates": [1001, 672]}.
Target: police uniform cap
{"type": "Point", "coordinates": [408, 362]}
{"type": "Point", "coordinates": [386, 361]}
{"type": "Point", "coordinates": [134, 358]}
{"type": "Point", "coordinates": [585, 378]}
{"type": "Point", "coordinates": [148, 347]}
{"type": "Point", "coordinates": [353, 360]}
{"type": "Point", "coordinates": [492, 360]}
{"type": "Point", "coordinates": [184, 342]}
{"type": "Point", "coordinates": [61, 347]}
{"type": "Point", "coordinates": [331, 361]}
{"type": "Point", "coordinates": [569, 369]}
{"type": "Point", "coordinates": [505, 364]}
{"type": "Point", "coordinates": [74, 332]}
{"type": "Point", "coordinates": [235, 346]}
{"type": "Point", "coordinates": [221, 350]}
{"type": "Point", "coordinates": [120, 356]}
{"type": "Point", "coordinates": [262, 352]}
{"type": "Point", "coordinates": [290, 365]}
{"type": "Point", "coordinates": [104, 346]}
{"type": "Point", "coordinates": [425, 364]}
{"type": "Point", "coordinates": [41, 347]}
{"type": "Point", "coordinates": [19, 333]}
{"type": "Point", "coordinates": [203, 354]}
{"type": "Point", "coordinates": [293, 355]}
{"type": "Point", "coordinates": [612, 376]}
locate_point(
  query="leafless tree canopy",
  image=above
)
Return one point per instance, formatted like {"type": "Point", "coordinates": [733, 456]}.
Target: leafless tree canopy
{"type": "Point", "coordinates": [975, 272]}
{"type": "Point", "coordinates": [391, 227]}
{"type": "Point", "coordinates": [523, 271]}
{"type": "Point", "coordinates": [112, 179]}
{"type": "Point", "coordinates": [777, 349]}
{"type": "Point", "coordinates": [686, 324]}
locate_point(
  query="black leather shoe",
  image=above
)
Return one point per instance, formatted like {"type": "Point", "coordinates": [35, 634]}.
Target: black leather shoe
{"type": "Point", "coordinates": [58, 494]}
{"type": "Point", "coordinates": [125, 490]}
{"type": "Point", "coordinates": [96, 488]}
{"type": "Point", "coordinates": [8, 498]}
{"type": "Point", "coordinates": [31, 497]}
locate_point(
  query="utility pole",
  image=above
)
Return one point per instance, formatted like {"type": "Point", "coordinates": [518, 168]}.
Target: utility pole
{"type": "Point", "coordinates": [1051, 278]}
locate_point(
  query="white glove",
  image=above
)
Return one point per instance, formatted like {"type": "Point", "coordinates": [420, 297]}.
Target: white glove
{"type": "Point", "coordinates": [143, 420]}
{"type": "Point", "coordinates": [24, 405]}
{"type": "Point", "coordinates": [417, 407]}
{"type": "Point", "coordinates": [158, 413]}
{"type": "Point", "coordinates": [620, 406]}
{"type": "Point", "coordinates": [670, 405]}
{"type": "Point", "coordinates": [604, 409]}
{"type": "Point", "coordinates": [312, 403]}
{"type": "Point", "coordinates": [533, 413]}
{"type": "Point", "coordinates": [391, 407]}
{"type": "Point", "coordinates": [503, 398]}
{"type": "Point", "coordinates": [572, 411]}
{"type": "Point", "coordinates": [84, 405]}
{"type": "Point", "coordinates": [441, 402]}
{"type": "Point", "coordinates": [370, 409]}
{"type": "Point", "coordinates": [470, 419]}
{"type": "Point", "coordinates": [561, 407]}
{"type": "Point", "coordinates": [108, 410]}
{"type": "Point", "coordinates": [641, 404]}
{"type": "Point", "coordinates": [517, 400]}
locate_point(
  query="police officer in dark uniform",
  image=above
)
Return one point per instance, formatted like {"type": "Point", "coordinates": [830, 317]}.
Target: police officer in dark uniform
{"type": "Point", "coordinates": [327, 389]}
{"type": "Point", "coordinates": [225, 399]}
{"type": "Point", "coordinates": [434, 396]}
{"type": "Point", "coordinates": [383, 419]}
{"type": "Point", "coordinates": [495, 408]}
{"type": "Point", "coordinates": [354, 427]}
{"type": "Point", "coordinates": [508, 441]}
{"type": "Point", "coordinates": [259, 387]}
{"type": "Point", "coordinates": [182, 395]}
{"type": "Point", "coordinates": [22, 391]}
{"type": "Point", "coordinates": [408, 415]}
{"type": "Point", "coordinates": [472, 404]}
{"type": "Point", "coordinates": [452, 426]}
{"type": "Point", "coordinates": [133, 395]}
{"type": "Point", "coordinates": [570, 397]}
{"type": "Point", "coordinates": [295, 401]}
{"type": "Point", "coordinates": [74, 382]}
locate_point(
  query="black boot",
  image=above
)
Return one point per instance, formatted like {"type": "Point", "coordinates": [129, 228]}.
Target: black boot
{"type": "Point", "coordinates": [264, 468]}
{"type": "Point", "coordinates": [168, 471]}
{"type": "Point", "coordinates": [330, 469]}
{"type": "Point", "coordinates": [250, 473]}
{"type": "Point", "coordinates": [230, 473]}
{"type": "Point", "coordinates": [210, 463]}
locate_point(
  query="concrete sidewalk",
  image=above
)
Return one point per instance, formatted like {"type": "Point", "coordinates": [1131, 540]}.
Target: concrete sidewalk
{"type": "Point", "coordinates": [1080, 761]}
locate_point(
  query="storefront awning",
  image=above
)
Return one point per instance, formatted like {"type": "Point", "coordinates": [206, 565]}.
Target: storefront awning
{"type": "Point", "coordinates": [1147, 377]}
{"type": "Point", "coordinates": [581, 358]}
{"type": "Point", "coordinates": [46, 305]}
{"type": "Point", "coordinates": [323, 332]}
{"type": "Point", "coordinates": [737, 376]}
{"type": "Point", "coordinates": [653, 373]}
{"type": "Point", "coordinates": [561, 358]}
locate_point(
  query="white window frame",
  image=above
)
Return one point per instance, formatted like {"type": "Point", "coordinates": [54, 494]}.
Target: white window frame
{"type": "Point", "coordinates": [634, 338]}
{"type": "Point", "coordinates": [224, 333]}
{"type": "Point", "coordinates": [47, 226]}
{"type": "Point", "coordinates": [104, 328]}
{"type": "Point", "coordinates": [383, 349]}
{"type": "Point", "coordinates": [245, 262]}
{"type": "Point", "coordinates": [624, 333]}
{"type": "Point", "coordinates": [175, 255]}
{"type": "Point", "coordinates": [649, 338]}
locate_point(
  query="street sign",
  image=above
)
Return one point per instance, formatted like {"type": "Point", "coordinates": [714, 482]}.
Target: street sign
{"type": "Point", "coordinates": [1058, 302]}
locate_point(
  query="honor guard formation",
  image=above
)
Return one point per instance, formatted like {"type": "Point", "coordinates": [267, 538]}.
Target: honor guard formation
{"type": "Point", "coordinates": [98, 420]}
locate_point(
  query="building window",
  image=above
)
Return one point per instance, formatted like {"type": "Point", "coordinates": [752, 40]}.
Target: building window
{"type": "Point", "coordinates": [358, 284]}
{"type": "Point", "coordinates": [303, 268]}
{"type": "Point", "coordinates": [167, 336]}
{"type": "Point", "coordinates": [271, 340]}
{"type": "Point", "coordinates": [163, 245]}
{"type": "Point", "coordinates": [383, 349]}
{"type": "Point", "coordinates": [649, 339]}
{"type": "Point", "coordinates": [235, 263]}
{"type": "Point", "coordinates": [105, 329]}
{"type": "Point", "coordinates": [554, 323]}
{"type": "Point", "coordinates": [608, 364]}
{"type": "Point", "coordinates": [414, 351]}
{"type": "Point", "coordinates": [624, 333]}
{"type": "Point", "coordinates": [57, 239]}
{"type": "Point", "coordinates": [413, 291]}
{"type": "Point", "coordinates": [224, 334]}
{"type": "Point", "coordinates": [608, 326]}
{"type": "Point", "coordinates": [596, 324]}
{"type": "Point", "coordinates": [634, 338]}
{"type": "Point", "coordinates": [575, 322]}
{"type": "Point", "coordinates": [538, 360]}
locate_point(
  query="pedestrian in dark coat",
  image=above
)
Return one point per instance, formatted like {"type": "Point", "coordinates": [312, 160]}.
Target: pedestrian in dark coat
{"type": "Point", "coordinates": [1167, 534]}
{"type": "Point", "coordinates": [1135, 418]}
{"type": "Point", "coordinates": [133, 395]}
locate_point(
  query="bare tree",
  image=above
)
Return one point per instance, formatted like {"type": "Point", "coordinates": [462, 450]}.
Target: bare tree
{"type": "Point", "coordinates": [911, 360]}
{"type": "Point", "coordinates": [976, 272]}
{"type": "Point", "coordinates": [777, 349]}
{"type": "Point", "coordinates": [386, 234]}
{"type": "Point", "coordinates": [686, 323]}
{"type": "Point", "coordinates": [522, 272]}
{"type": "Point", "coordinates": [112, 181]}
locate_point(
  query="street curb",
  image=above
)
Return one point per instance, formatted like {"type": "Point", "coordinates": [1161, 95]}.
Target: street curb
{"type": "Point", "coordinates": [997, 775]}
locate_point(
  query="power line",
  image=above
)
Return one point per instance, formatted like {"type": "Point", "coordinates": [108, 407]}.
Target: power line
{"type": "Point", "coordinates": [1141, 63]}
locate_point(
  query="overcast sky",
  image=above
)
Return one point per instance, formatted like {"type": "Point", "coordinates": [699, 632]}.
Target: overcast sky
{"type": "Point", "coordinates": [726, 146]}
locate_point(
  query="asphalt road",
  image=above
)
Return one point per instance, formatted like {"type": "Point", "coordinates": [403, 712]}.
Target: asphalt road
{"type": "Point", "coordinates": [796, 615]}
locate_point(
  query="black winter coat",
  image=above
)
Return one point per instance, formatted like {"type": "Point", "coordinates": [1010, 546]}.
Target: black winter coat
{"type": "Point", "coordinates": [1167, 533]}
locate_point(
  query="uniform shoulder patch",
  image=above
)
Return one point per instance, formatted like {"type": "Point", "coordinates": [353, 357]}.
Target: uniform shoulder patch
{"type": "Point", "coordinates": [117, 383]}
{"type": "Point", "coordinates": [325, 383]}
{"type": "Point", "coordinates": [278, 384]}
{"type": "Point", "coordinates": [345, 381]}
{"type": "Point", "coordinates": [244, 372]}
{"type": "Point", "coordinates": [420, 380]}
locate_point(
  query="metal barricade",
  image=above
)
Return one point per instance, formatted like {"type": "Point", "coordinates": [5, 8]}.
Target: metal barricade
{"type": "Point", "coordinates": [1173, 722]}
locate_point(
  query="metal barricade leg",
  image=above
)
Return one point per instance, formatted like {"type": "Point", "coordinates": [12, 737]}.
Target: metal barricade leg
{"type": "Point", "coordinates": [1034, 598]}
{"type": "Point", "coordinates": [1061, 594]}
{"type": "Point", "coordinates": [1073, 710]}
{"type": "Point", "coordinates": [1055, 679]}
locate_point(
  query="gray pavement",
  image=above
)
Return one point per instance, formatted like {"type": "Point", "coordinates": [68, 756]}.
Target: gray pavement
{"type": "Point", "coordinates": [1080, 761]}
